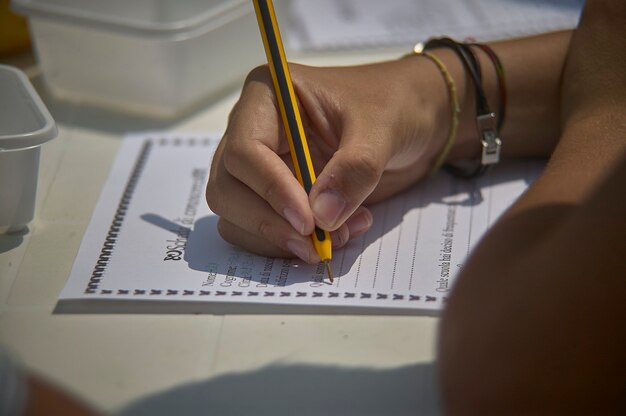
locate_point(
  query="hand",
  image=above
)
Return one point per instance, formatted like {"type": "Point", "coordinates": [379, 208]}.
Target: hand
{"type": "Point", "coordinates": [372, 131]}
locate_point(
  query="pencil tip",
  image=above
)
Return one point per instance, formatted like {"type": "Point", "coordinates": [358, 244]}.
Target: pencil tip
{"type": "Point", "coordinates": [328, 270]}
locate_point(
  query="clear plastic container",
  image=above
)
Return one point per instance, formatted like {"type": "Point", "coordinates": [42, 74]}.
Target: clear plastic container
{"type": "Point", "coordinates": [25, 124]}
{"type": "Point", "coordinates": [155, 57]}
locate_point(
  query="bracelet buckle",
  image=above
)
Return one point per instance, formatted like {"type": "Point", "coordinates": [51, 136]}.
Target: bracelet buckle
{"type": "Point", "coordinates": [489, 139]}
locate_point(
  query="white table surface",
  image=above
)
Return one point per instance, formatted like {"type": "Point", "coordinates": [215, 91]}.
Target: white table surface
{"type": "Point", "coordinates": [222, 364]}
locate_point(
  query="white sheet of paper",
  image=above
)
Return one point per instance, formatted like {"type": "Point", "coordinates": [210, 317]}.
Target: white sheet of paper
{"type": "Point", "coordinates": [337, 24]}
{"type": "Point", "coordinates": [152, 243]}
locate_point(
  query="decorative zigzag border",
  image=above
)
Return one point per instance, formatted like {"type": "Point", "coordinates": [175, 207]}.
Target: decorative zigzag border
{"type": "Point", "coordinates": [111, 238]}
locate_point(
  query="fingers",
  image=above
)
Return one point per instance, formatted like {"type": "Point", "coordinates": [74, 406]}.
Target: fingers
{"type": "Point", "coordinates": [253, 150]}
{"type": "Point", "coordinates": [259, 228]}
{"type": "Point", "coordinates": [349, 177]}
{"type": "Point", "coordinates": [261, 204]}
{"type": "Point", "coordinates": [248, 221]}
{"type": "Point", "coordinates": [359, 222]}
{"type": "Point", "coordinates": [356, 225]}
{"type": "Point", "coordinates": [267, 175]}
{"type": "Point", "coordinates": [250, 241]}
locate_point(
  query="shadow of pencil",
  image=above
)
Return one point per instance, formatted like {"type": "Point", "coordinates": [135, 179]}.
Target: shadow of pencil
{"type": "Point", "coordinates": [302, 390]}
{"type": "Point", "coordinates": [203, 239]}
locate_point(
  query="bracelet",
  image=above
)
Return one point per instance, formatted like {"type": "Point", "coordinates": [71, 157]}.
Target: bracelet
{"type": "Point", "coordinates": [485, 118]}
{"type": "Point", "coordinates": [454, 106]}
{"type": "Point", "coordinates": [499, 69]}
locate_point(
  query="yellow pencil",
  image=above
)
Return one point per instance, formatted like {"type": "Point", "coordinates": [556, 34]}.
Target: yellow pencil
{"type": "Point", "coordinates": [292, 122]}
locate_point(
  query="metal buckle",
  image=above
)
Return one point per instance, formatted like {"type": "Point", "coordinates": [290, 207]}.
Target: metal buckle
{"type": "Point", "coordinates": [489, 138]}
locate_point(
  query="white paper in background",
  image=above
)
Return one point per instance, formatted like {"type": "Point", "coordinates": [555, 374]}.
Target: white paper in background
{"type": "Point", "coordinates": [152, 244]}
{"type": "Point", "coordinates": [340, 24]}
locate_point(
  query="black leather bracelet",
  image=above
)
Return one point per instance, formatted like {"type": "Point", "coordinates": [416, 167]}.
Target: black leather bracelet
{"type": "Point", "coordinates": [485, 118]}
{"type": "Point", "coordinates": [499, 69]}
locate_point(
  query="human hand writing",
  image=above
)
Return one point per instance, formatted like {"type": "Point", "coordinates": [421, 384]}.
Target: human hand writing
{"type": "Point", "coordinates": [372, 131]}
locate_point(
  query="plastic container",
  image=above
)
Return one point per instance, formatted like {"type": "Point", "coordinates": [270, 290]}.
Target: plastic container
{"type": "Point", "coordinates": [155, 57]}
{"type": "Point", "coordinates": [25, 124]}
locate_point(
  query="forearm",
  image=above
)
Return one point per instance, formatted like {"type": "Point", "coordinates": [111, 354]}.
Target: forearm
{"type": "Point", "coordinates": [533, 68]}
{"type": "Point", "coordinates": [46, 399]}
{"type": "Point", "coordinates": [537, 309]}
{"type": "Point", "coordinates": [535, 324]}
{"type": "Point", "coordinates": [593, 110]}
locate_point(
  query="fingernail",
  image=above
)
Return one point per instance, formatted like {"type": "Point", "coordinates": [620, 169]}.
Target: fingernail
{"type": "Point", "coordinates": [327, 207]}
{"type": "Point", "coordinates": [339, 237]}
{"type": "Point", "coordinates": [359, 223]}
{"type": "Point", "coordinates": [298, 248]}
{"type": "Point", "coordinates": [294, 219]}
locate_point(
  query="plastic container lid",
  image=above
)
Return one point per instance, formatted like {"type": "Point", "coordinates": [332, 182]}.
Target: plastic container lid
{"type": "Point", "coordinates": [24, 119]}
{"type": "Point", "coordinates": [138, 17]}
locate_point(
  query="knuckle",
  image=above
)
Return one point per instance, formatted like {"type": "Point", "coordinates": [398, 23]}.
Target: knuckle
{"type": "Point", "coordinates": [231, 157]}
{"type": "Point", "coordinates": [259, 73]}
{"type": "Point", "coordinates": [213, 197]}
{"type": "Point", "coordinates": [223, 229]}
{"type": "Point", "coordinates": [365, 165]}
{"type": "Point", "coordinates": [340, 236]}
{"type": "Point", "coordinates": [270, 190]}
{"type": "Point", "coordinates": [236, 157]}
{"type": "Point", "coordinates": [229, 162]}
{"type": "Point", "coordinates": [264, 229]}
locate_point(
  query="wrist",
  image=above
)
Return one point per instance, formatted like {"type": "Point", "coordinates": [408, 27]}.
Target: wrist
{"type": "Point", "coordinates": [434, 114]}
{"type": "Point", "coordinates": [467, 145]}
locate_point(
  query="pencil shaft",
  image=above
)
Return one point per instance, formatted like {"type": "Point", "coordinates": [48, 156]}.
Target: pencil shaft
{"type": "Point", "coordinates": [290, 114]}
{"type": "Point", "coordinates": [285, 94]}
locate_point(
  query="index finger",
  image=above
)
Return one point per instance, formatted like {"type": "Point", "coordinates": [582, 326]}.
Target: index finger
{"type": "Point", "coordinates": [254, 147]}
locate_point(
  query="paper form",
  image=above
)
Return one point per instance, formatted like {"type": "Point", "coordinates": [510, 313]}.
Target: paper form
{"type": "Point", "coordinates": [152, 244]}
{"type": "Point", "coordinates": [339, 24]}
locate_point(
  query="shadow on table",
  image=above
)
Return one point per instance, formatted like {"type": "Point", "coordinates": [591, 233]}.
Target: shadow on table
{"type": "Point", "coordinates": [11, 240]}
{"type": "Point", "coordinates": [301, 390]}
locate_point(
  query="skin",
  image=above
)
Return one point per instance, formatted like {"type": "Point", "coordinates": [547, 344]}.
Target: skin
{"type": "Point", "coordinates": [534, 324]}
{"type": "Point", "coordinates": [366, 143]}
{"type": "Point", "coordinates": [539, 317]}
{"type": "Point", "coordinates": [349, 128]}
{"type": "Point", "coordinates": [46, 399]}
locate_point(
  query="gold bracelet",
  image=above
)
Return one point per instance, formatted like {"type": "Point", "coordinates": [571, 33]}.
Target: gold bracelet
{"type": "Point", "coordinates": [454, 106]}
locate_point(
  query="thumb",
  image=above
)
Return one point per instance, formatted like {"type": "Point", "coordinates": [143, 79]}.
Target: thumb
{"type": "Point", "coordinates": [348, 178]}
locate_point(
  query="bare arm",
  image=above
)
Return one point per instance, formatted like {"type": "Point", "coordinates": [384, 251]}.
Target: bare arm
{"type": "Point", "coordinates": [46, 399]}
{"type": "Point", "coordinates": [373, 131]}
{"type": "Point", "coordinates": [536, 322]}
{"type": "Point", "coordinates": [533, 67]}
